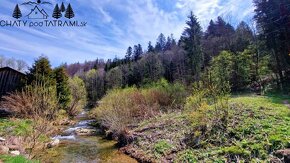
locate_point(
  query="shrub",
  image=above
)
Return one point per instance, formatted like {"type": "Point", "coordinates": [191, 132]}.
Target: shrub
{"type": "Point", "coordinates": [78, 96]}
{"type": "Point", "coordinates": [172, 95]}
{"type": "Point", "coordinates": [36, 100]}
{"type": "Point", "coordinates": [207, 111]}
{"type": "Point", "coordinates": [122, 107]}
{"type": "Point", "coordinates": [161, 147]}
{"type": "Point", "coordinates": [186, 156]}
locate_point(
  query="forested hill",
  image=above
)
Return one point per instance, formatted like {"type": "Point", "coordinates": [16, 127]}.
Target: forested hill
{"type": "Point", "coordinates": [249, 56]}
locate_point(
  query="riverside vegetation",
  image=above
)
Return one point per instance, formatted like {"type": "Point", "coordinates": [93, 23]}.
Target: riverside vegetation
{"type": "Point", "coordinates": [216, 96]}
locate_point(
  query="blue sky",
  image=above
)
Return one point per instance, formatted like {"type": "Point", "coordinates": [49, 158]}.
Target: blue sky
{"type": "Point", "coordinates": [112, 26]}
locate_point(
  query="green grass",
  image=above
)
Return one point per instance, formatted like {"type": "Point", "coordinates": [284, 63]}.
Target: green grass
{"type": "Point", "coordinates": [161, 147]}
{"type": "Point", "coordinates": [15, 127]}
{"type": "Point", "coordinates": [16, 159]}
{"type": "Point", "coordinates": [256, 127]}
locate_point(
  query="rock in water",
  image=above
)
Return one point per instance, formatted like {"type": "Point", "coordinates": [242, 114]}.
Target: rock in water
{"type": "Point", "coordinates": [85, 132]}
{"type": "Point", "coordinates": [2, 139]}
{"type": "Point", "coordinates": [53, 143]}
{"type": "Point", "coordinates": [4, 150]}
{"type": "Point", "coordinates": [15, 153]}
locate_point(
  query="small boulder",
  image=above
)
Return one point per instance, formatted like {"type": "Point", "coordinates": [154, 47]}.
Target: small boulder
{"type": "Point", "coordinates": [4, 150]}
{"type": "Point", "coordinates": [2, 139]}
{"type": "Point", "coordinates": [53, 143]}
{"type": "Point", "coordinates": [85, 132]}
{"type": "Point", "coordinates": [15, 153]}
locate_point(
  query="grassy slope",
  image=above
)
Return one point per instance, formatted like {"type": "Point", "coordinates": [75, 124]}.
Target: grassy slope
{"type": "Point", "coordinates": [257, 126]}
{"type": "Point", "coordinates": [14, 127]}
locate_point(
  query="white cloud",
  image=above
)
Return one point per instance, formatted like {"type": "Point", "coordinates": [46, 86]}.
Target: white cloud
{"type": "Point", "coordinates": [113, 25]}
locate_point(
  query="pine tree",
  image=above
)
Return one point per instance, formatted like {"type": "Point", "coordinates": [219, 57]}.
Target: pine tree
{"type": "Point", "coordinates": [62, 7]}
{"type": "Point", "coordinates": [150, 47]}
{"type": "Point", "coordinates": [137, 52]}
{"type": "Point", "coordinates": [191, 42]}
{"type": "Point", "coordinates": [69, 12]}
{"type": "Point", "coordinates": [56, 12]}
{"type": "Point", "coordinates": [128, 54]}
{"type": "Point", "coordinates": [62, 87]}
{"type": "Point", "coordinates": [160, 44]}
{"type": "Point", "coordinates": [17, 13]}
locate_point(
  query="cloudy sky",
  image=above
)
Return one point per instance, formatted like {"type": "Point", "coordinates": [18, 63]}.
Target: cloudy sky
{"type": "Point", "coordinates": [112, 26]}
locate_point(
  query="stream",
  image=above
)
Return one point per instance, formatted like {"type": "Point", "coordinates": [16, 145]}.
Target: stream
{"type": "Point", "coordinates": [84, 149]}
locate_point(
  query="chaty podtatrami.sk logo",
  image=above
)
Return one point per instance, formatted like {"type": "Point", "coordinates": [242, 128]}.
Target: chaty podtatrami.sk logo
{"type": "Point", "coordinates": [38, 13]}
{"type": "Point", "coordinates": [39, 17]}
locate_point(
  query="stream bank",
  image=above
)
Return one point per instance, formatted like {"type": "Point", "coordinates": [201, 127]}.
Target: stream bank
{"type": "Point", "coordinates": [76, 148]}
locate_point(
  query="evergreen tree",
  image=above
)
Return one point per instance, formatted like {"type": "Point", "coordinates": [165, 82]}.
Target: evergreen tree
{"type": "Point", "coordinates": [56, 12]}
{"type": "Point", "coordinates": [151, 68]}
{"type": "Point", "coordinates": [243, 37]}
{"type": "Point", "coordinates": [137, 52]}
{"type": "Point", "coordinates": [219, 36]}
{"type": "Point", "coordinates": [168, 44]}
{"type": "Point", "coordinates": [150, 47]}
{"type": "Point", "coordinates": [191, 42]}
{"type": "Point", "coordinates": [69, 12]}
{"type": "Point", "coordinates": [62, 87]}
{"type": "Point", "coordinates": [17, 13]}
{"type": "Point", "coordinates": [41, 72]}
{"type": "Point", "coordinates": [62, 7]}
{"type": "Point", "coordinates": [273, 19]}
{"type": "Point", "coordinates": [160, 43]}
{"type": "Point", "coordinates": [128, 54]}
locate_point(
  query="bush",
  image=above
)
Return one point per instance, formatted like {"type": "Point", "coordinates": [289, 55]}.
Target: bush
{"type": "Point", "coordinates": [36, 100]}
{"type": "Point", "coordinates": [122, 107]}
{"type": "Point", "coordinates": [78, 96]}
{"type": "Point", "coordinates": [207, 111]}
{"type": "Point", "coordinates": [161, 147]}
{"type": "Point", "coordinates": [186, 156]}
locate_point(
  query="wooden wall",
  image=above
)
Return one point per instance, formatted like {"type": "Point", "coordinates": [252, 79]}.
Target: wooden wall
{"type": "Point", "coordinates": [10, 80]}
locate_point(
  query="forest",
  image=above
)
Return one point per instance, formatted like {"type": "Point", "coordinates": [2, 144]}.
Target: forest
{"type": "Point", "coordinates": [220, 94]}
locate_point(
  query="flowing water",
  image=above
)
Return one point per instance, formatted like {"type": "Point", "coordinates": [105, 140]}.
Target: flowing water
{"type": "Point", "coordinates": [84, 149]}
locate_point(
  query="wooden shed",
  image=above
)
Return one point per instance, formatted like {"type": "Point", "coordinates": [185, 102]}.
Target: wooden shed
{"type": "Point", "coordinates": [10, 80]}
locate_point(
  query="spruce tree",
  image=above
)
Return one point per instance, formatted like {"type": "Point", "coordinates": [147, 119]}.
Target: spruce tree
{"type": "Point", "coordinates": [17, 13]}
{"type": "Point", "coordinates": [41, 72]}
{"type": "Point", "coordinates": [62, 7]}
{"type": "Point", "coordinates": [56, 12]}
{"type": "Point", "coordinates": [273, 17]}
{"type": "Point", "coordinates": [128, 54]}
{"type": "Point", "coordinates": [150, 47]}
{"type": "Point", "coordinates": [191, 42]}
{"type": "Point", "coordinates": [69, 12]}
{"type": "Point", "coordinates": [62, 87]}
